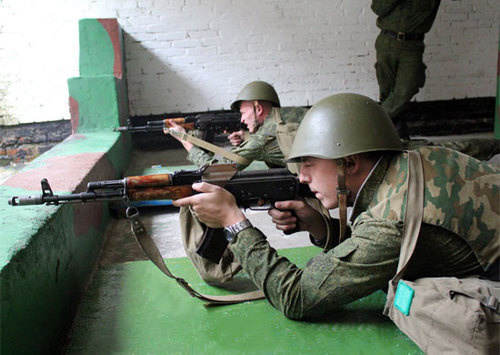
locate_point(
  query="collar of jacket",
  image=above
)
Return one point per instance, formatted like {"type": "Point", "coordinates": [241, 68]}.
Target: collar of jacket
{"type": "Point", "coordinates": [370, 186]}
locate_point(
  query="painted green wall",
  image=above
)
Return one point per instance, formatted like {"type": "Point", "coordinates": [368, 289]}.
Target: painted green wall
{"type": "Point", "coordinates": [96, 49]}
{"type": "Point", "coordinates": [101, 109]}
{"type": "Point", "coordinates": [98, 97]}
{"type": "Point", "coordinates": [42, 282]}
{"type": "Point", "coordinates": [48, 253]}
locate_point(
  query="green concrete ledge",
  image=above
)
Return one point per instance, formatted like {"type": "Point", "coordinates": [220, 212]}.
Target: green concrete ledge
{"type": "Point", "coordinates": [47, 253]}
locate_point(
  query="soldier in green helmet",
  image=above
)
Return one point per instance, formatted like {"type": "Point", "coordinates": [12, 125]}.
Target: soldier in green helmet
{"type": "Point", "coordinates": [272, 129]}
{"type": "Point", "coordinates": [351, 155]}
{"type": "Point", "coordinates": [261, 112]}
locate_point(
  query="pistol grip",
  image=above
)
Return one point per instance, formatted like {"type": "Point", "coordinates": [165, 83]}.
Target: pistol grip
{"type": "Point", "coordinates": [295, 230]}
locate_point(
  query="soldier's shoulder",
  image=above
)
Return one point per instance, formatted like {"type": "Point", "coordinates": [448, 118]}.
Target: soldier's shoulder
{"type": "Point", "coordinates": [447, 157]}
{"type": "Point", "coordinates": [293, 114]}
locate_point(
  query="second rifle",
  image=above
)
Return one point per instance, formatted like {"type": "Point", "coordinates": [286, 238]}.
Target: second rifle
{"type": "Point", "coordinates": [208, 124]}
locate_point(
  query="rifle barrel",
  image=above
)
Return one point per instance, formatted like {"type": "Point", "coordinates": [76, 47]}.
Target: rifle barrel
{"type": "Point", "coordinates": [247, 187]}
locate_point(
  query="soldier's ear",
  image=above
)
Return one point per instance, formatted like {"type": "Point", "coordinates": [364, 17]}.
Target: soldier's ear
{"type": "Point", "coordinates": [259, 109]}
{"type": "Point", "coordinates": [352, 164]}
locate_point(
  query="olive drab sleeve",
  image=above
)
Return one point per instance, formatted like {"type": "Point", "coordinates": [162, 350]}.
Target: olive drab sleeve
{"type": "Point", "coordinates": [383, 7]}
{"type": "Point", "coordinates": [261, 146]}
{"type": "Point", "coordinates": [410, 16]}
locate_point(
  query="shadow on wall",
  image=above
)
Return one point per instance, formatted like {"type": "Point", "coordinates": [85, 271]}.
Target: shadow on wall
{"type": "Point", "coordinates": [155, 91]}
{"type": "Point", "coordinates": [155, 87]}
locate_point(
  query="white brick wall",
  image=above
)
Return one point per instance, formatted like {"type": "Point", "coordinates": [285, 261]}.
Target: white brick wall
{"type": "Point", "coordinates": [194, 55]}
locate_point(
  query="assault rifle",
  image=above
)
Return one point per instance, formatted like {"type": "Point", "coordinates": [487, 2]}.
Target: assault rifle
{"type": "Point", "coordinates": [208, 124]}
{"type": "Point", "coordinates": [248, 188]}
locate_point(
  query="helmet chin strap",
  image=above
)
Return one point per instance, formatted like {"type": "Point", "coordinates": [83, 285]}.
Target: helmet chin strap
{"type": "Point", "coordinates": [342, 194]}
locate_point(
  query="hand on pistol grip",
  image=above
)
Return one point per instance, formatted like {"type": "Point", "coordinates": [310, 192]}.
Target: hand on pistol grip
{"type": "Point", "coordinates": [296, 229]}
{"type": "Point", "coordinates": [284, 218]}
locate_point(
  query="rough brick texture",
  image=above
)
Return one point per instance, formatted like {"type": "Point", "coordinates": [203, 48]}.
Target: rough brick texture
{"type": "Point", "coordinates": [193, 55]}
{"type": "Point", "coordinates": [23, 143]}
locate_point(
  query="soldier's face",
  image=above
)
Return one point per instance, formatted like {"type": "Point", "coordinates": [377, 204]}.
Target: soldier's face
{"type": "Point", "coordinates": [321, 176]}
{"type": "Point", "coordinates": [249, 116]}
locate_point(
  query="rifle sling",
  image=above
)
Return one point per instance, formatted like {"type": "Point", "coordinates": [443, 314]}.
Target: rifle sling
{"type": "Point", "coordinates": [149, 247]}
{"type": "Point", "coordinates": [211, 147]}
{"type": "Point", "coordinates": [342, 193]}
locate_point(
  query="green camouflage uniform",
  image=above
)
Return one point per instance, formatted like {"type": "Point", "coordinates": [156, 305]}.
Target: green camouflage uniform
{"type": "Point", "coordinates": [459, 236]}
{"type": "Point", "coordinates": [261, 146]}
{"type": "Point", "coordinates": [399, 67]}
{"type": "Point", "coordinates": [269, 144]}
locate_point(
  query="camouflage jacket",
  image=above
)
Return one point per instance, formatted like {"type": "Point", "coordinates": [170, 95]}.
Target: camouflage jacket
{"type": "Point", "coordinates": [261, 146]}
{"type": "Point", "coordinates": [459, 236]}
{"type": "Point", "coordinates": [411, 16]}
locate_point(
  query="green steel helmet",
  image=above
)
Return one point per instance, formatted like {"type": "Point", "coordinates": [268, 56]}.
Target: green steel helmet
{"type": "Point", "coordinates": [342, 125]}
{"type": "Point", "coordinates": [256, 90]}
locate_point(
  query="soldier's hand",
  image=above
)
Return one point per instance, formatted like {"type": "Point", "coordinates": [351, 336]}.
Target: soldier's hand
{"type": "Point", "coordinates": [289, 215]}
{"type": "Point", "coordinates": [236, 138]}
{"type": "Point", "coordinates": [176, 127]}
{"type": "Point", "coordinates": [215, 206]}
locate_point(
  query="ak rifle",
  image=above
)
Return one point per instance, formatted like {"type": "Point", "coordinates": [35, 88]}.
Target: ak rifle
{"type": "Point", "coordinates": [249, 188]}
{"type": "Point", "coordinates": [208, 124]}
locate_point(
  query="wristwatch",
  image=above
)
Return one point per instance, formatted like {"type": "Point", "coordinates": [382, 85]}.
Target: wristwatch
{"type": "Point", "coordinates": [231, 231]}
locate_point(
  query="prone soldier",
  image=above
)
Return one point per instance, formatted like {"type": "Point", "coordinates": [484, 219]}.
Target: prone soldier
{"type": "Point", "coordinates": [351, 154]}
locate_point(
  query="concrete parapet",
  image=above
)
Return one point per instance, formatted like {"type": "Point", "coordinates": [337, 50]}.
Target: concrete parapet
{"type": "Point", "coordinates": [48, 253]}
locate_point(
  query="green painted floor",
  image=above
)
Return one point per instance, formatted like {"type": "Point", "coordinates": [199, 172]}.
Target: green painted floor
{"type": "Point", "coordinates": [132, 308]}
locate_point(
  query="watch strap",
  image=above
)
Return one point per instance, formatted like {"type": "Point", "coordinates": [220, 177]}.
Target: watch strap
{"type": "Point", "coordinates": [233, 229]}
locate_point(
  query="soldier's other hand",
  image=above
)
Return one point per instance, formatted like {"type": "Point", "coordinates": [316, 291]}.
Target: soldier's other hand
{"type": "Point", "coordinates": [174, 126]}
{"type": "Point", "coordinates": [236, 138]}
{"type": "Point", "coordinates": [289, 215]}
{"type": "Point", "coordinates": [214, 206]}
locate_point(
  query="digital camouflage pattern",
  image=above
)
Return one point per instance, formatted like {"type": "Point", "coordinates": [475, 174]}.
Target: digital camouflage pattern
{"type": "Point", "coordinates": [261, 146]}
{"type": "Point", "coordinates": [461, 212]}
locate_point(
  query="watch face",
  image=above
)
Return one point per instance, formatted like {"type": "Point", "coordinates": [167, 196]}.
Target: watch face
{"type": "Point", "coordinates": [228, 234]}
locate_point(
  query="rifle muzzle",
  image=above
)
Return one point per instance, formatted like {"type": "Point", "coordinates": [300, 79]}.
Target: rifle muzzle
{"type": "Point", "coordinates": [26, 200]}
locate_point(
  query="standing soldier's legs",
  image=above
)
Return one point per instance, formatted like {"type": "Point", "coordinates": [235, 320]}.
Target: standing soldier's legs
{"type": "Point", "coordinates": [385, 67]}
{"type": "Point", "coordinates": [409, 79]}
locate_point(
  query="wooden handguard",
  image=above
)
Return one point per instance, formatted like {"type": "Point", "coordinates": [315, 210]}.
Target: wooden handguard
{"type": "Point", "coordinates": [181, 121]}
{"type": "Point", "coordinates": [135, 182]}
{"type": "Point", "coordinates": [159, 193]}
{"type": "Point", "coordinates": [155, 187]}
